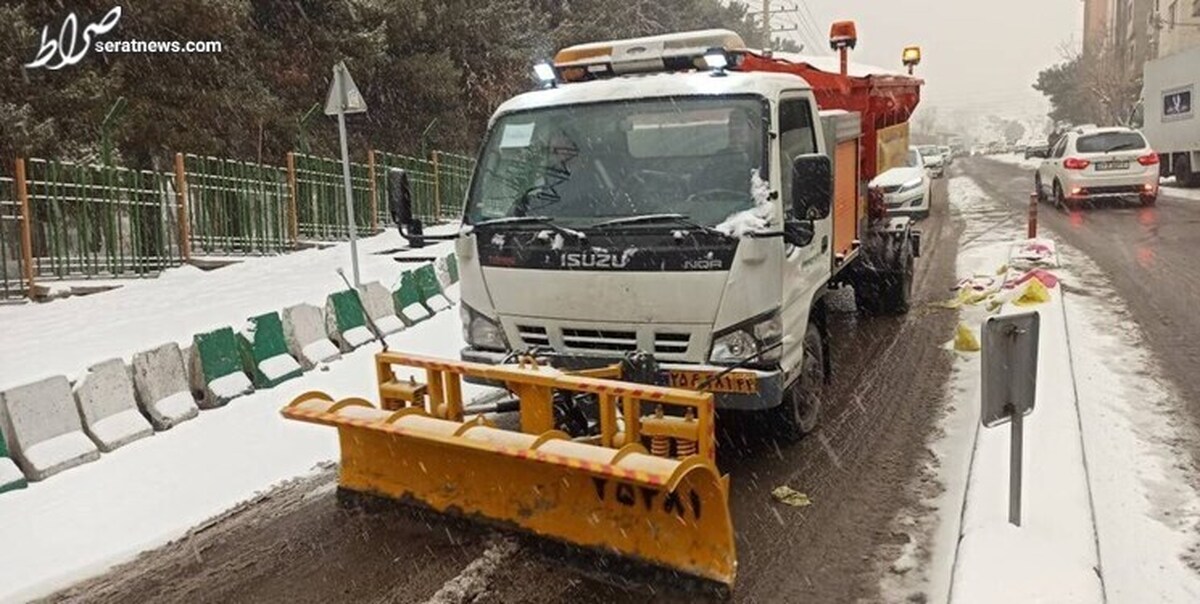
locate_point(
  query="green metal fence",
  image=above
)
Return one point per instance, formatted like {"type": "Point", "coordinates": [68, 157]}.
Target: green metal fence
{"type": "Point", "coordinates": [421, 181]}
{"type": "Point", "coordinates": [236, 207]}
{"type": "Point", "coordinates": [454, 178]}
{"type": "Point", "coordinates": [321, 201]}
{"type": "Point", "coordinates": [91, 220]}
{"type": "Point", "coordinates": [11, 259]}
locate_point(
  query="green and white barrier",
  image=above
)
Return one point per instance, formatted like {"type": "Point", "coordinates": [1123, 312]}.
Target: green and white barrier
{"type": "Point", "coordinates": [431, 290]}
{"type": "Point", "coordinates": [44, 428]}
{"type": "Point", "coordinates": [409, 302]}
{"type": "Point", "coordinates": [161, 385]}
{"type": "Point", "coordinates": [265, 354]}
{"type": "Point", "coordinates": [380, 307]}
{"type": "Point", "coordinates": [345, 322]}
{"type": "Point", "coordinates": [11, 477]}
{"type": "Point", "coordinates": [217, 368]}
{"type": "Point", "coordinates": [108, 406]}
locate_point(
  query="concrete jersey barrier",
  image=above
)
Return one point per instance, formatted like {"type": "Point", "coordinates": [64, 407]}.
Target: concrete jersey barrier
{"type": "Point", "coordinates": [265, 353]}
{"type": "Point", "coordinates": [380, 308]}
{"type": "Point", "coordinates": [109, 407]}
{"type": "Point", "coordinates": [161, 384]}
{"type": "Point", "coordinates": [408, 300]}
{"type": "Point", "coordinates": [304, 332]}
{"type": "Point", "coordinates": [47, 436]}
{"type": "Point", "coordinates": [345, 322]}
{"type": "Point", "coordinates": [217, 368]}
{"type": "Point", "coordinates": [431, 289]}
{"type": "Point", "coordinates": [11, 477]}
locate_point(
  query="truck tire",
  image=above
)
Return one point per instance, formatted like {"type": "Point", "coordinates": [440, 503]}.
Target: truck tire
{"type": "Point", "coordinates": [800, 411]}
{"type": "Point", "coordinates": [888, 290]}
{"type": "Point", "coordinates": [1185, 176]}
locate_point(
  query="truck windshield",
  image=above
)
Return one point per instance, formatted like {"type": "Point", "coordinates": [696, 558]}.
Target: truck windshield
{"type": "Point", "coordinates": [585, 164]}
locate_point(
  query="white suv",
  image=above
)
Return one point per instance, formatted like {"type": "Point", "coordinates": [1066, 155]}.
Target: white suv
{"type": "Point", "coordinates": [1098, 163]}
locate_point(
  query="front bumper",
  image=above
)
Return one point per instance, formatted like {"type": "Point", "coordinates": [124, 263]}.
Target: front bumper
{"type": "Point", "coordinates": [911, 203]}
{"type": "Point", "coordinates": [769, 393]}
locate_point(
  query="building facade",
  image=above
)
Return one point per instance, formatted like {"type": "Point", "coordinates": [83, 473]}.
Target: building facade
{"type": "Point", "coordinates": [1177, 25]}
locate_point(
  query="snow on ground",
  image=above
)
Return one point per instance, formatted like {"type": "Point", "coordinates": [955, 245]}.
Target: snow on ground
{"type": "Point", "coordinates": [66, 336]}
{"type": "Point", "coordinates": [1134, 443]}
{"type": "Point", "coordinates": [1137, 441]}
{"type": "Point", "coordinates": [87, 519]}
{"type": "Point", "coordinates": [1017, 159]}
{"type": "Point", "coordinates": [1170, 189]}
{"type": "Point", "coordinates": [83, 521]}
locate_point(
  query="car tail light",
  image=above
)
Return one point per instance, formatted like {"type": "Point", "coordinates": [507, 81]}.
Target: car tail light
{"type": "Point", "coordinates": [1074, 163]}
{"type": "Point", "coordinates": [1149, 159]}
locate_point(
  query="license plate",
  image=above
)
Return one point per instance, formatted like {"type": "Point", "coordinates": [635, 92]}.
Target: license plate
{"type": "Point", "coordinates": [736, 382]}
{"type": "Point", "coordinates": [1112, 165]}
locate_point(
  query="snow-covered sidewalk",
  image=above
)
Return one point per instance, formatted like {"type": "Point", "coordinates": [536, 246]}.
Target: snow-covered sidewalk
{"type": "Point", "coordinates": [81, 522]}
{"type": "Point", "coordinates": [66, 336]}
{"type": "Point", "coordinates": [1110, 510]}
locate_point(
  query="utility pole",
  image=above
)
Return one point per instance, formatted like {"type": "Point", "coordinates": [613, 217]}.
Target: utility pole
{"type": "Point", "coordinates": [769, 11]}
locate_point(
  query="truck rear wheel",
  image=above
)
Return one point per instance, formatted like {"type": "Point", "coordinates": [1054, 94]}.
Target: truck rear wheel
{"type": "Point", "coordinates": [888, 290]}
{"type": "Point", "coordinates": [799, 412]}
{"type": "Point", "coordinates": [1185, 174]}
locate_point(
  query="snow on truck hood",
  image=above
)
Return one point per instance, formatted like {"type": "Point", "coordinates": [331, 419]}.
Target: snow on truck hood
{"type": "Point", "coordinates": [896, 176]}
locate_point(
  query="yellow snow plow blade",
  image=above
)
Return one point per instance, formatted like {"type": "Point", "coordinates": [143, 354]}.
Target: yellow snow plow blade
{"type": "Point", "coordinates": [666, 505]}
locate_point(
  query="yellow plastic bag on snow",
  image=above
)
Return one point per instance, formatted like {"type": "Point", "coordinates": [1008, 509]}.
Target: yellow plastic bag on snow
{"type": "Point", "coordinates": [965, 340]}
{"type": "Point", "coordinates": [1035, 293]}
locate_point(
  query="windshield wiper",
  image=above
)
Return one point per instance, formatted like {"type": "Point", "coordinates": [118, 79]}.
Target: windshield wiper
{"type": "Point", "coordinates": [542, 220]}
{"type": "Point", "coordinates": [652, 218]}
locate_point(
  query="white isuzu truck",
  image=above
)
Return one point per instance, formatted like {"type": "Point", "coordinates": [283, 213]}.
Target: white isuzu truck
{"type": "Point", "coordinates": [686, 199]}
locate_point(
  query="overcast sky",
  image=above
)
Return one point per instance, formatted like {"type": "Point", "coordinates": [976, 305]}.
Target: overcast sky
{"type": "Point", "coordinates": [978, 54]}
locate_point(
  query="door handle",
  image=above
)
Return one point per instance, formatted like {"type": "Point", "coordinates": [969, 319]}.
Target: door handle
{"type": "Point", "coordinates": [824, 243]}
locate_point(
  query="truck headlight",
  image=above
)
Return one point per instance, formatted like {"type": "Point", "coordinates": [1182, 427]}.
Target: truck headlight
{"type": "Point", "coordinates": [481, 332]}
{"type": "Point", "coordinates": [909, 186]}
{"type": "Point", "coordinates": [741, 342]}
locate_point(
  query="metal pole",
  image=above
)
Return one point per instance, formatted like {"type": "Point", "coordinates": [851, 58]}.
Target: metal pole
{"type": "Point", "coordinates": [766, 11]}
{"type": "Point", "coordinates": [346, 177]}
{"type": "Point", "coordinates": [1033, 212]}
{"type": "Point", "coordinates": [1014, 467]}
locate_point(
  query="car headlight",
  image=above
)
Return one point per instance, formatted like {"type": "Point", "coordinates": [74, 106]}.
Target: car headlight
{"type": "Point", "coordinates": [910, 185]}
{"type": "Point", "coordinates": [747, 340]}
{"type": "Point", "coordinates": [480, 331]}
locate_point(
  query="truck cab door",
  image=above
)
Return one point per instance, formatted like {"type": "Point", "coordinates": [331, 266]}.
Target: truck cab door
{"type": "Point", "coordinates": [805, 268]}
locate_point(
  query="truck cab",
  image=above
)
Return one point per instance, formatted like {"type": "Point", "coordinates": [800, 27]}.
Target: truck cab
{"type": "Point", "coordinates": [698, 214]}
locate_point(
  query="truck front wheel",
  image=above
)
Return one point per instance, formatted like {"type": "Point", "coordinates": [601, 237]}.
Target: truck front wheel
{"type": "Point", "coordinates": [800, 410]}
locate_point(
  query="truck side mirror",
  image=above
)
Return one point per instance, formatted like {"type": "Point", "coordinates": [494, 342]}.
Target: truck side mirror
{"type": "Point", "coordinates": [812, 187]}
{"type": "Point", "coordinates": [400, 207]}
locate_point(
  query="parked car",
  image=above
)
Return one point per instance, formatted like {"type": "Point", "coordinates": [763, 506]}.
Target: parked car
{"type": "Point", "coordinates": [1037, 151]}
{"type": "Point", "coordinates": [947, 154]}
{"type": "Point", "coordinates": [1098, 163]}
{"type": "Point", "coordinates": [931, 155]}
{"type": "Point", "coordinates": [906, 189]}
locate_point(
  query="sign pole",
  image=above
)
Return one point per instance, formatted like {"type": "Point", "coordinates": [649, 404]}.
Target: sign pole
{"type": "Point", "coordinates": [340, 79]}
{"type": "Point", "coordinates": [1014, 466]}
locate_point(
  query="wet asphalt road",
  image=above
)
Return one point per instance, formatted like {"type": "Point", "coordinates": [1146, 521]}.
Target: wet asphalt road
{"type": "Point", "coordinates": [296, 544]}
{"type": "Point", "coordinates": [1151, 255]}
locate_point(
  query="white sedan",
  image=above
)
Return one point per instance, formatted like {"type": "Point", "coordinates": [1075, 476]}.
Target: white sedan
{"type": "Point", "coordinates": [1098, 163]}
{"type": "Point", "coordinates": [906, 189]}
